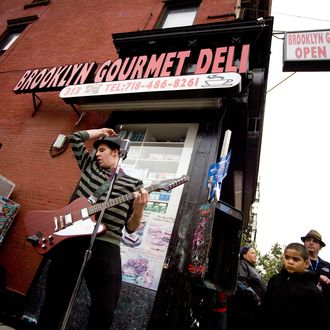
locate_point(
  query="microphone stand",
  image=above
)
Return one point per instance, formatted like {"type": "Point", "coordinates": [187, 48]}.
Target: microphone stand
{"type": "Point", "coordinates": [88, 252]}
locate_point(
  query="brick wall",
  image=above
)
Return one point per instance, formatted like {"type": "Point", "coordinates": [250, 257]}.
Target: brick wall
{"type": "Point", "coordinates": [66, 32]}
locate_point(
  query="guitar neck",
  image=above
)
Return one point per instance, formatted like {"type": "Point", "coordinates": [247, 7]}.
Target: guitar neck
{"type": "Point", "coordinates": [121, 199]}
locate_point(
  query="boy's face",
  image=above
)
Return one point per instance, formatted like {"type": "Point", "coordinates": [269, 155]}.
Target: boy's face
{"type": "Point", "coordinates": [294, 262]}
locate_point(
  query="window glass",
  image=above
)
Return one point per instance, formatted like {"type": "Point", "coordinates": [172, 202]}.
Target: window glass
{"type": "Point", "coordinates": [14, 29]}
{"type": "Point", "coordinates": [159, 154]}
{"type": "Point", "coordinates": [9, 40]}
{"type": "Point", "coordinates": [175, 17]}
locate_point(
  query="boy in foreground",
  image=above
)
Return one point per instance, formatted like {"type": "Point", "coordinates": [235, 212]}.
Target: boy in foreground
{"type": "Point", "coordinates": [293, 300]}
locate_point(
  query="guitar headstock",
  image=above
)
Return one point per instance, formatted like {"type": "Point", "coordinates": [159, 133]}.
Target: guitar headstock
{"type": "Point", "coordinates": [172, 183]}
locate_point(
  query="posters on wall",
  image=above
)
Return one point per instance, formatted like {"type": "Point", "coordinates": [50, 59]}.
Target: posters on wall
{"type": "Point", "coordinates": [160, 156]}
{"type": "Point", "coordinates": [143, 252]}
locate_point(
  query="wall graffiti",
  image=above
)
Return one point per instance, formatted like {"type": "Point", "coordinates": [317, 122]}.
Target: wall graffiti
{"type": "Point", "coordinates": [201, 241]}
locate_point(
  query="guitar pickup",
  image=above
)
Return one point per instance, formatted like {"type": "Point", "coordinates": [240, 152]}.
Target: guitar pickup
{"type": "Point", "coordinates": [68, 219]}
{"type": "Point", "coordinates": [62, 222]}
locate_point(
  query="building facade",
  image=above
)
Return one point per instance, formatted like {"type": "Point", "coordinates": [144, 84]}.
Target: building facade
{"type": "Point", "coordinates": [171, 76]}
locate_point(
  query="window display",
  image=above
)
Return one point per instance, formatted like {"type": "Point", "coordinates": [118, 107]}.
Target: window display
{"type": "Point", "coordinates": [158, 152]}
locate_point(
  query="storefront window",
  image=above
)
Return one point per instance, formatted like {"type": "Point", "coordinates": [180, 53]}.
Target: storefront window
{"type": "Point", "coordinates": [159, 153]}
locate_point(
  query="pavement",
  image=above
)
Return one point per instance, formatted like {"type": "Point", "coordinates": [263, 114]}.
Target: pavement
{"type": "Point", "coordinates": [5, 327]}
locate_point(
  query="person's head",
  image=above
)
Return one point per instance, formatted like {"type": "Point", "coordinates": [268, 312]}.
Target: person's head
{"type": "Point", "coordinates": [248, 253]}
{"type": "Point", "coordinates": [107, 151]}
{"type": "Point", "coordinates": [313, 242]}
{"type": "Point", "coordinates": [296, 258]}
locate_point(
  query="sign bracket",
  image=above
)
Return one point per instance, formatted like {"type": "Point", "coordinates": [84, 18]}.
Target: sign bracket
{"type": "Point", "coordinates": [80, 115]}
{"type": "Point", "coordinates": [36, 103]}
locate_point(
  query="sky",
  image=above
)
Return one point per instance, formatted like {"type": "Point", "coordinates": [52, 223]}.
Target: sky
{"type": "Point", "coordinates": [294, 170]}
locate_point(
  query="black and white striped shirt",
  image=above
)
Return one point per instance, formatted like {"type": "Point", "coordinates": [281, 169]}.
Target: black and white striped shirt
{"type": "Point", "coordinates": [92, 177]}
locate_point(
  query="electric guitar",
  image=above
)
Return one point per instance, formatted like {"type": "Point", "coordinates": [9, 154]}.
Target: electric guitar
{"type": "Point", "coordinates": [46, 229]}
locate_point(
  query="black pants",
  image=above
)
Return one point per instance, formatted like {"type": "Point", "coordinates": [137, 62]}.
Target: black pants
{"type": "Point", "coordinates": [103, 279]}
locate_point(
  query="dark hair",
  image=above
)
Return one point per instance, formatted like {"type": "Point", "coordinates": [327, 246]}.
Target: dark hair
{"type": "Point", "coordinates": [244, 250]}
{"type": "Point", "coordinates": [299, 248]}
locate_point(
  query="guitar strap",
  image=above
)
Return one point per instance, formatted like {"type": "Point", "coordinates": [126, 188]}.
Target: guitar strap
{"type": "Point", "coordinates": [99, 192]}
{"type": "Point", "coordinates": [102, 189]}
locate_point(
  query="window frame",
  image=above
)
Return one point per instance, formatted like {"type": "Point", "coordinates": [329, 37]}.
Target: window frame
{"type": "Point", "coordinates": [14, 27]}
{"type": "Point", "coordinates": [171, 5]}
{"type": "Point", "coordinates": [35, 3]}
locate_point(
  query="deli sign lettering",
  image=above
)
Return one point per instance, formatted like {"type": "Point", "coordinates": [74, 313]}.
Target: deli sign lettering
{"type": "Point", "coordinates": [233, 59]}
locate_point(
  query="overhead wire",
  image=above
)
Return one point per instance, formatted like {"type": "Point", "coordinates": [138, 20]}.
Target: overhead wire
{"type": "Point", "coordinates": [282, 81]}
{"type": "Point", "coordinates": [275, 33]}
{"type": "Point", "coordinates": [303, 17]}
{"type": "Point", "coordinates": [284, 14]}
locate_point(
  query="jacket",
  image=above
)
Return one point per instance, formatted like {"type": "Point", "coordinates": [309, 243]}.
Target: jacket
{"type": "Point", "coordinates": [248, 276]}
{"type": "Point", "coordinates": [243, 306]}
{"type": "Point", "coordinates": [293, 301]}
{"type": "Point", "coordinates": [323, 268]}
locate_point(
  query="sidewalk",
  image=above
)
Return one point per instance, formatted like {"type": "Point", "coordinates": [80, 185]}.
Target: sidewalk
{"type": "Point", "coordinates": [5, 327]}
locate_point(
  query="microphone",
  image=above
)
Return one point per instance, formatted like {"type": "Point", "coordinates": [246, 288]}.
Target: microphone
{"type": "Point", "coordinates": [125, 145]}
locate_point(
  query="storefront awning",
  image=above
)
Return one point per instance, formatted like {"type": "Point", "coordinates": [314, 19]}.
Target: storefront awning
{"type": "Point", "coordinates": [189, 91]}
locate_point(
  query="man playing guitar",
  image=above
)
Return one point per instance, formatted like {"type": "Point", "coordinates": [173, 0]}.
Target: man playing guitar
{"type": "Point", "coordinates": [103, 271]}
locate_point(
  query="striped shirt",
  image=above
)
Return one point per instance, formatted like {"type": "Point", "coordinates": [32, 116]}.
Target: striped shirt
{"type": "Point", "coordinates": [92, 177]}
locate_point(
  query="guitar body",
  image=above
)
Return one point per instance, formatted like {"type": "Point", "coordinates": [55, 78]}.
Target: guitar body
{"type": "Point", "coordinates": [46, 229]}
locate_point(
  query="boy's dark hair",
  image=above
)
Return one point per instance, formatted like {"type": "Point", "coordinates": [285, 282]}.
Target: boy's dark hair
{"type": "Point", "coordinates": [299, 248]}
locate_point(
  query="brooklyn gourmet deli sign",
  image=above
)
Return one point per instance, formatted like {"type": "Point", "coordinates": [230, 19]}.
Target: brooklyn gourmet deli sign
{"type": "Point", "coordinates": [138, 69]}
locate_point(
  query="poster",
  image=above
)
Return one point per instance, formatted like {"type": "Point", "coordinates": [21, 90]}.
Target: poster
{"type": "Point", "coordinates": [143, 252]}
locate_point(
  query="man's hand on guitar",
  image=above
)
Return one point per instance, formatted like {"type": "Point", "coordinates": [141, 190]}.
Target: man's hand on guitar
{"type": "Point", "coordinates": [141, 198]}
